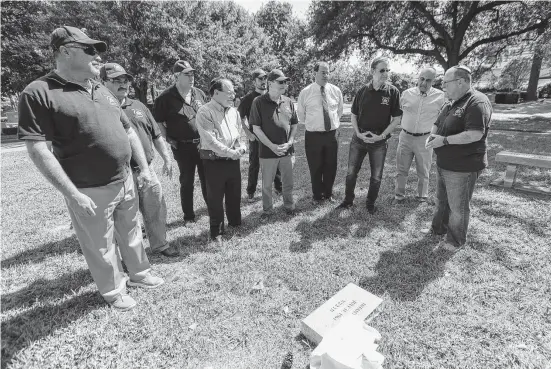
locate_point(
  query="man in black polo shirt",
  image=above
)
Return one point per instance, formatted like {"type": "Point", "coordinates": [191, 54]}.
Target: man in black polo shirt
{"type": "Point", "coordinates": [459, 142]}
{"type": "Point", "coordinates": [274, 121]}
{"type": "Point", "coordinates": [92, 142]}
{"type": "Point", "coordinates": [175, 111]}
{"type": "Point", "coordinates": [375, 113]}
{"type": "Point", "coordinates": [259, 81]}
{"type": "Point", "coordinates": [152, 201]}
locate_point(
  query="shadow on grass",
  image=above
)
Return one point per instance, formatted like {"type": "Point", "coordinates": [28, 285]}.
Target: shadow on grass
{"type": "Point", "coordinates": [46, 289]}
{"type": "Point", "coordinates": [37, 255]}
{"type": "Point", "coordinates": [181, 223]}
{"type": "Point", "coordinates": [404, 274]}
{"type": "Point", "coordinates": [23, 330]}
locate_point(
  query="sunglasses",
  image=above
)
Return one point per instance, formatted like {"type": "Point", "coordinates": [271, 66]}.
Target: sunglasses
{"type": "Point", "coordinates": [120, 80]}
{"type": "Point", "coordinates": [189, 74]}
{"type": "Point", "coordinates": [384, 70]}
{"type": "Point", "coordinates": [88, 49]}
{"type": "Point", "coordinates": [282, 82]}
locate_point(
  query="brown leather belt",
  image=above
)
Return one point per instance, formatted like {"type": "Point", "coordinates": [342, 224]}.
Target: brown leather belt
{"type": "Point", "coordinates": [416, 134]}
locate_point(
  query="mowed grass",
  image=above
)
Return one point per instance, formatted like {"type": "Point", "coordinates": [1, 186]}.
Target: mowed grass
{"type": "Point", "coordinates": [488, 306]}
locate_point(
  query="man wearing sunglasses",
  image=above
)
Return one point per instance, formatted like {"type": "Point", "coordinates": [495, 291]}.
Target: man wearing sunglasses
{"type": "Point", "coordinates": [274, 121]}
{"type": "Point", "coordinates": [92, 141]}
{"type": "Point", "coordinates": [175, 110]}
{"type": "Point", "coordinates": [152, 201]}
{"type": "Point", "coordinates": [375, 113]}
{"type": "Point", "coordinates": [259, 82]}
{"type": "Point", "coordinates": [458, 138]}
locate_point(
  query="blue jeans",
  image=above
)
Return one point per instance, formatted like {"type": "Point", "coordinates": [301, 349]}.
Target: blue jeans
{"type": "Point", "coordinates": [453, 192]}
{"type": "Point", "coordinates": [357, 153]}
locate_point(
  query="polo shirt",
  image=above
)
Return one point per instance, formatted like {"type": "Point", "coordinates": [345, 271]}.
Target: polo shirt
{"type": "Point", "coordinates": [244, 108]}
{"type": "Point", "coordinates": [145, 126]}
{"type": "Point", "coordinates": [275, 119]}
{"type": "Point", "coordinates": [179, 116]}
{"type": "Point", "coordinates": [310, 106]}
{"type": "Point", "coordinates": [375, 108]}
{"type": "Point", "coordinates": [473, 111]}
{"type": "Point", "coordinates": [420, 109]}
{"type": "Point", "coordinates": [88, 137]}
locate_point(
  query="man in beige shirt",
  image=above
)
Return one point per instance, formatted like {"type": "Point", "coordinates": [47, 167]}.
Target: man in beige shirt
{"type": "Point", "coordinates": [219, 127]}
{"type": "Point", "coordinates": [420, 106]}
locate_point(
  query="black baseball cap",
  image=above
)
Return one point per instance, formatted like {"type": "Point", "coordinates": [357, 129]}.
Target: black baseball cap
{"type": "Point", "coordinates": [258, 73]}
{"type": "Point", "coordinates": [67, 34]}
{"type": "Point", "coordinates": [182, 66]}
{"type": "Point", "coordinates": [277, 75]}
{"type": "Point", "coordinates": [113, 70]}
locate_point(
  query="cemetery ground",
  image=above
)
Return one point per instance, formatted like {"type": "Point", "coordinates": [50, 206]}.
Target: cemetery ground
{"type": "Point", "coordinates": [240, 306]}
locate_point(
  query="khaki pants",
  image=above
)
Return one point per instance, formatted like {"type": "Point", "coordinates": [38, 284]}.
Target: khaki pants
{"type": "Point", "coordinates": [116, 219]}
{"type": "Point", "coordinates": [410, 147]}
{"type": "Point", "coordinates": [269, 168]}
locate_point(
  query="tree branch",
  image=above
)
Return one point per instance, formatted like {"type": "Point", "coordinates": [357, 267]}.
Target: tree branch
{"type": "Point", "coordinates": [491, 5]}
{"type": "Point", "coordinates": [437, 26]}
{"type": "Point", "coordinates": [501, 37]}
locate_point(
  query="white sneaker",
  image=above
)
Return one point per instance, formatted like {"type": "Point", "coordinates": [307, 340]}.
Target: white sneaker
{"type": "Point", "coordinates": [149, 281]}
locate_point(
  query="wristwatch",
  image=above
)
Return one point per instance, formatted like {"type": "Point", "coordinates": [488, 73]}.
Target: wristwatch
{"type": "Point", "coordinates": [446, 141]}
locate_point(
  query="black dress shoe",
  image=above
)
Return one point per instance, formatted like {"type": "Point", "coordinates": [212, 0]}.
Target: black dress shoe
{"type": "Point", "coordinates": [345, 205]}
{"type": "Point", "coordinates": [371, 209]}
{"type": "Point", "coordinates": [170, 252]}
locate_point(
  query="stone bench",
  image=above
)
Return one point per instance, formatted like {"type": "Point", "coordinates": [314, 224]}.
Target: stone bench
{"type": "Point", "coordinates": [513, 160]}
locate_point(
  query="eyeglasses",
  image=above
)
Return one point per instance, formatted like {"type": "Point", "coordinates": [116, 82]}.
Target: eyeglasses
{"type": "Point", "coordinates": [88, 49]}
{"type": "Point", "coordinates": [384, 70]}
{"type": "Point", "coordinates": [262, 78]}
{"type": "Point", "coordinates": [444, 83]}
{"type": "Point", "coordinates": [189, 74]}
{"type": "Point", "coordinates": [120, 81]}
{"type": "Point", "coordinates": [282, 82]}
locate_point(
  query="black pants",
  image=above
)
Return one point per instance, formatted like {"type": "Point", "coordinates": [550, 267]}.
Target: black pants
{"type": "Point", "coordinates": [223, 183]}
{"type": "Point", "coordinates": [254, 167]}
{"type": "Point", "coordinates": [187, 157]}
{"type": "Point", "coordinates": [321, 153]}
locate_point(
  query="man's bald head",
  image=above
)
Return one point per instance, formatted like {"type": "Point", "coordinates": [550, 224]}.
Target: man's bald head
{"type": "Point", "coordinates": [426, 79]}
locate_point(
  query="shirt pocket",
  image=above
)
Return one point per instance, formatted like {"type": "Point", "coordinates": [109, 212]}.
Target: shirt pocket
{"type": "Point", "coordinates": [332, 104]}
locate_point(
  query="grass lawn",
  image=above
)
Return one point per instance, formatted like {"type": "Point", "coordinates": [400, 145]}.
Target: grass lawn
{"type": "Point", "coordinates": [488, 306]}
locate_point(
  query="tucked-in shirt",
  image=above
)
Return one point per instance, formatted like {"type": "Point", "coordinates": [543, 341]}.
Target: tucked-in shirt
{"type": "Point", "coordinates": [310, 107]}
{"type": "Point", "coordinates": [375, 108]}
{"type": "Point", "coordinates": [420, 110]}
{"type": "Point", "coordinates": [88, 137]}
{"type": "Point", "coordinates": [275, 119]}
{"type": "Point", "coordinates": [179, 116]}
{"type": "Point", "coordinates": [219, 128]}
{"type": "Point", "coordinates": [145, 127]}
{"type": "Point", "coordinates": [473, 111]}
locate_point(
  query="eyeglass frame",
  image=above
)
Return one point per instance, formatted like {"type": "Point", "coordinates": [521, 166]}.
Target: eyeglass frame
{"type": "Point", "coordinates": [86, 48]}
{"type": "Point", "coordinates": [118, 81]}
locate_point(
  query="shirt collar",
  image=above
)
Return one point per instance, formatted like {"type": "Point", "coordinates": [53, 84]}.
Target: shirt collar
{"type": "Point", "coordinates": [219, 107]}
{"type": "Point", "coordinates": [53, 76]}
{"type": "Point", "coordinates": [174, 91]}
{"type": "Point", "coordinates": [320, 86]}
{"type": "Point", "coordinates": [464, 97]}
{"type": "Point", "coordinates": [127, 102]}
{"type": "Point", "coordinates": [382, 88]}
{"type": "Point", "coordinates": [267, 97]}
{"type": "Point", "coordinates": [421, 93]}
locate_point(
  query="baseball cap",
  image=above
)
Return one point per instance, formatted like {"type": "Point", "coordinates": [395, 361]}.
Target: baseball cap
{"type": "Point", "coordinates": [113, 70]}
{"type": "Point", "coordinates": [66, 34]}
{"type": "Point", "coordinates": [258, 73]}
{"type": "Point", "coordinates": [277, 75]}
{"type": "Point", "coordinates": [182, 66]}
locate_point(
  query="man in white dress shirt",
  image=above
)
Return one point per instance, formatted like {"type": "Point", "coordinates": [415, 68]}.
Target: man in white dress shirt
{"type": "Point", "coordinates": [420, 106]}
{"type": "Point", "coordinates": [320, 107]}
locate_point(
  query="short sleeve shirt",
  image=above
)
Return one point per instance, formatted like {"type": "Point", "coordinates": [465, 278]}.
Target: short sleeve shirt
{"type": "Point", "coordinates": [145, 126]}
{"type": "Point", "coordinates": [473, 111]}
{"type": "Point", "coordinates": [375, 108]}
{"type": "Point", "coordinates": [275, 119]}
{"type": "Point", "coordinates": [244, 108]}
{"type": "Point", "coordinates": [179, 116]}
{"type": "Point", "coordinates": [88, 137]}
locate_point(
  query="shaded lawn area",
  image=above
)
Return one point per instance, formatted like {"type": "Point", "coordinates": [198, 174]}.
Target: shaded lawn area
{"type": "Point", "coordinates": [485, 307]}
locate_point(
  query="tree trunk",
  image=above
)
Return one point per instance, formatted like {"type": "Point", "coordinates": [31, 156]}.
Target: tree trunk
{"type": "Point", "coordinates": [140, 90]}
{"type": "Point", "coordinates": [532, 91]}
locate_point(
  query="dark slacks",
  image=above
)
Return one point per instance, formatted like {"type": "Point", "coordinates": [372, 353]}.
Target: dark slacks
{"type": "Point", "coordinates": [321, 153]}
{"type": "Point", "coordinates": [223, 185]}
{"type": "Point", "coordinates": [377, 155]}
{"type": "Point", "coordinates": [254, 167]}
{"type": "Point", "coordinates": [187, 157]}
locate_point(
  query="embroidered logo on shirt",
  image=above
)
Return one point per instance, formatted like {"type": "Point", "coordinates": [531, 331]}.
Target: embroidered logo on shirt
{"type": "Point", "coordinates": [458, 112]}
{"type": "Point", "coordinates": [385, 101]}
{"type": "Point", "coordinates": [196, 104]}
{"type": "Point", "coordinates": [138, 113]}
{"type": "Point", "coordinates": [111, 100]}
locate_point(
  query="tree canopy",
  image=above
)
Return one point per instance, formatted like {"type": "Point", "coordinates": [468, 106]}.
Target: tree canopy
{"type": "Point", "coordinates": [446, 32]}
